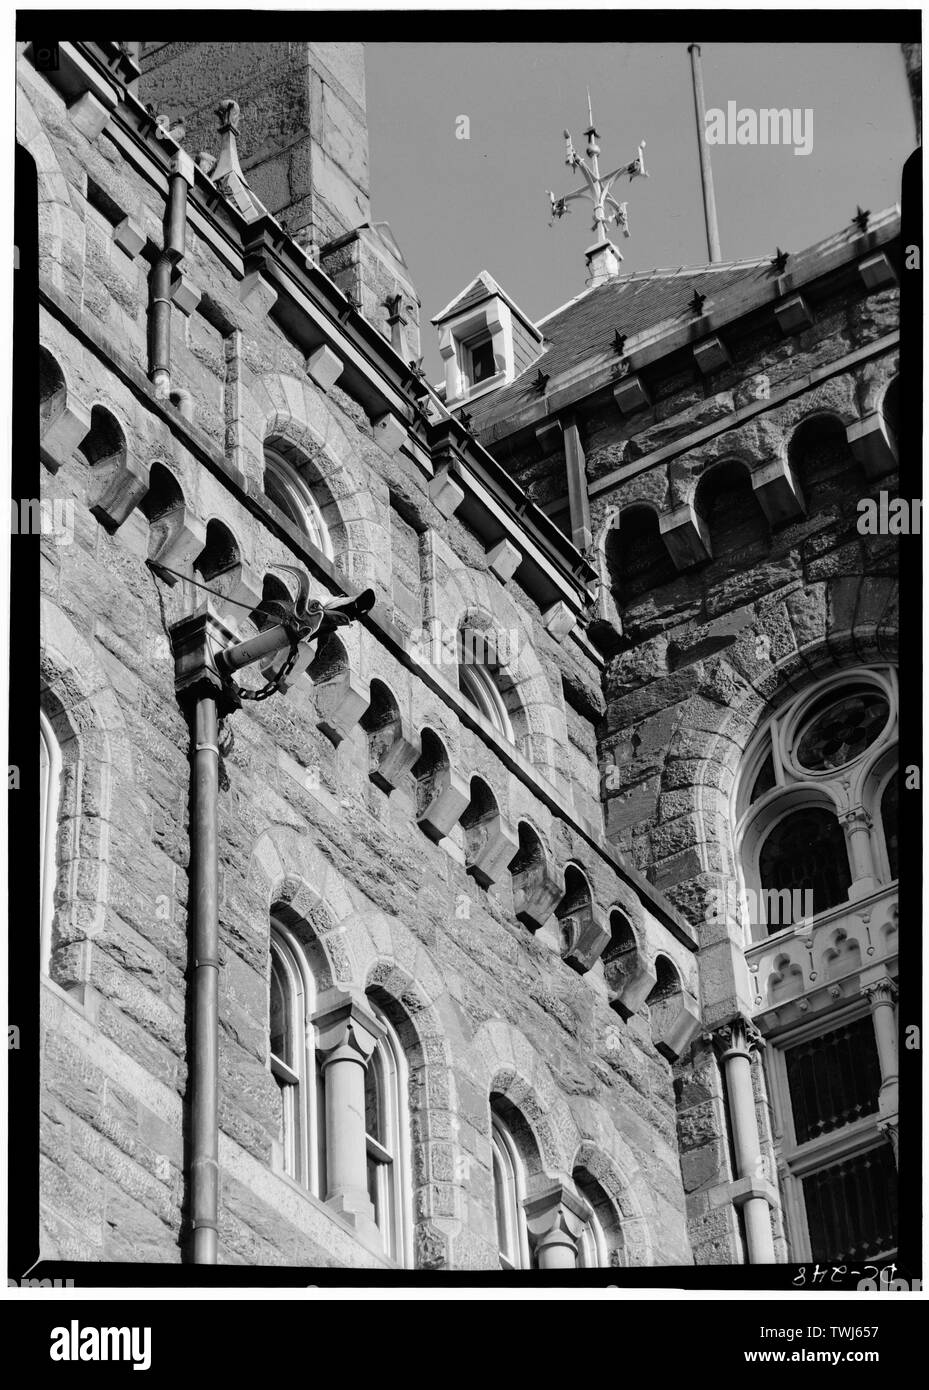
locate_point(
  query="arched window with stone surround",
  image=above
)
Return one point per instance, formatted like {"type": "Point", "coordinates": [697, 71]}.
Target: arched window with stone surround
{"type": "Point", "coordinates": [509, 1195]}
{"type": "Point", "coordinates": [386, 1131]}
{"type": "Point", "coordinates": [287, 485]}
{"type": "Point", "coordinates": [601, 1241]}
{"type": "Point", "coordinates": [293, 1062]}
{"type": "Point", "coordinates": [315, 1151]}
{"type": "Point", "coordinates": [480, 660]}
{"type": "Point", "coordinates": [49, 793]}
{"type": "Point", "coordinates": [809, 802]}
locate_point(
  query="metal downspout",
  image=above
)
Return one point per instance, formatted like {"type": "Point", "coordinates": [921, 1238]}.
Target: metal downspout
{"type": "Point", "coordinates": [204, 1061]}
{"type": "Point", "coordinates": [175, 245]}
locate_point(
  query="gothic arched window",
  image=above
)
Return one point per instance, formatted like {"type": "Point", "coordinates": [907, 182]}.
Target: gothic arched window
{"type": "Point", "coordinates": [815, 804]}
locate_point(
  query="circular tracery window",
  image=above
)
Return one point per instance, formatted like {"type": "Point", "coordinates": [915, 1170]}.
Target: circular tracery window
{"type": "Point", "coordinates": [840, 731]}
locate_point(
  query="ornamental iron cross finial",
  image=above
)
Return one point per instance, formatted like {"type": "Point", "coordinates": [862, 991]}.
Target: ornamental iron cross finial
{"type": "Point", "coordinates": [597, 187]}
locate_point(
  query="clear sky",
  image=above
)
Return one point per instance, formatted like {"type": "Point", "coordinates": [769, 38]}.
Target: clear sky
{"type": "Point", "coordinates": [459, 206]}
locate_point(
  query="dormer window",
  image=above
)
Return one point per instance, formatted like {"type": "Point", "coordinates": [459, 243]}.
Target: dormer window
{"type": "Point", "coordinates": [485, 340]}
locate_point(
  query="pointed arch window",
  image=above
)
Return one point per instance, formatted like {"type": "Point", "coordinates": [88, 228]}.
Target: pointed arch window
{"type": "Point", "coordinates": [49, 792]}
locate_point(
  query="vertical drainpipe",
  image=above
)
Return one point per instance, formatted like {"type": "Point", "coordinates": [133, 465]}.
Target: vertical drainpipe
{"type": "Point", "coordinates": [175, 244]}
{"type": "Point", "coordinates": [204, 983]}
{"type": "Point", "coordinates": [204, 699]}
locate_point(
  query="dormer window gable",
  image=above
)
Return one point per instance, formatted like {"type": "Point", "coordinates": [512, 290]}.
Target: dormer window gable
{"type": "Point", "coordinates": [485, 340]}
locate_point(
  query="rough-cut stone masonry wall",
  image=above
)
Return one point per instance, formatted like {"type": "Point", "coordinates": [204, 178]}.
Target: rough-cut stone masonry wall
{"type": "Point", "coordinates": [304, 143]}
{"type": "Point", "coordinates": [711, 649]}
{"type": "Point", "coordinates": [482, 1005]}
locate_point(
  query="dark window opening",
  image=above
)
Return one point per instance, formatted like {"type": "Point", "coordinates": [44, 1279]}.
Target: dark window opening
{"type": "Point", "coordinates": [889, 812]}
{"type": "Point", "coordinates": [851, 1208]}
{"type": "Point", "coordinates": [834, 1079]}
{"type": "Point", "coordinates": [806, 853]}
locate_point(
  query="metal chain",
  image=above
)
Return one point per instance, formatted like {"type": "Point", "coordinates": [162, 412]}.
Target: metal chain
{"type": "Point", "coordinates": [273, 685]}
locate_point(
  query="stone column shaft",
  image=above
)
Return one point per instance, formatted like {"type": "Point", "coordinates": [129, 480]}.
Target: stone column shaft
{"type": "Point", "coordinates": [737, 1068]}
{"type": "Point", "coordinates": [347, 1035]}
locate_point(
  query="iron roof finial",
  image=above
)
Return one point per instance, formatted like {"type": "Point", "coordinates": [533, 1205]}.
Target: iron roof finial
{"type": "Point", "coordinates": [596, 187]}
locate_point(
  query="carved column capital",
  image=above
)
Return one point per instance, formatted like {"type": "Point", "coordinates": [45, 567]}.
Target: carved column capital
{"type": "Point", "coordinates": [883, 991]}
{"type": "Point", "coordinates": [346, 1032]}
{"type": "Point", "coordinates": [856, 818]}
{"type": "Point", "coordinates": [737, 1038]}
{"type": "Point", "coordinates": [555, 1219]}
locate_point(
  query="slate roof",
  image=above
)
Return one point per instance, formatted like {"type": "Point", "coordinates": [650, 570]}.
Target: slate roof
{"type": "Point", "coordinates": [581, 332]}
{"type": "Point", "coordinates": [579, 336]}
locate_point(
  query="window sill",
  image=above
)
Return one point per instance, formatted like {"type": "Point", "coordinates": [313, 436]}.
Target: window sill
{"type": "Point", "coordinates": [323, 1209]}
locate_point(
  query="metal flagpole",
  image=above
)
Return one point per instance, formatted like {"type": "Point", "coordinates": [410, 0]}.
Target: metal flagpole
{"type": "Point", "coordinates": [706, 172]}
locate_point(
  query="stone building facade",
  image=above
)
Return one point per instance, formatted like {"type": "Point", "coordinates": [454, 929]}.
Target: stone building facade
{"type": "Point", "coordinates": [483, 997]}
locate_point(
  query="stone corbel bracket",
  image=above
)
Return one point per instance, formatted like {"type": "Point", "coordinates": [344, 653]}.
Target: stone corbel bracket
{"type": "Point", "coordinates": [176, 538]}
{"type": "Point", "coordinates": [341, 700]}
{"type": "Point", "coordinates": [90, 98]}
{"type": "Point", "coordinates": [685, 534]}
{"type": "Point", "coordinates": [118, 485]}
{"type": "Point", "coordinates": [241, 585]}
{"type": "Point", "coordinates": [585, 934]}
{"type": "Point", "coordinates": [537, 891]}
{"type": "Point", "coordinates": [778, 491]}
{"type": "Point", "coordinates": [63, 423]}
{"type": "Point", "coordinates": [873, 444]}
{"type": "Point", "coordinates": [393, 748]}
{"type": "Point", "coordinates": [675, 1023]}
{"type": "Point", "coordinates": [630, 980]}
{"type": "Point", "coordinates": [450, 798]}
{"type": "Point", "coordinates": [492, 844]}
